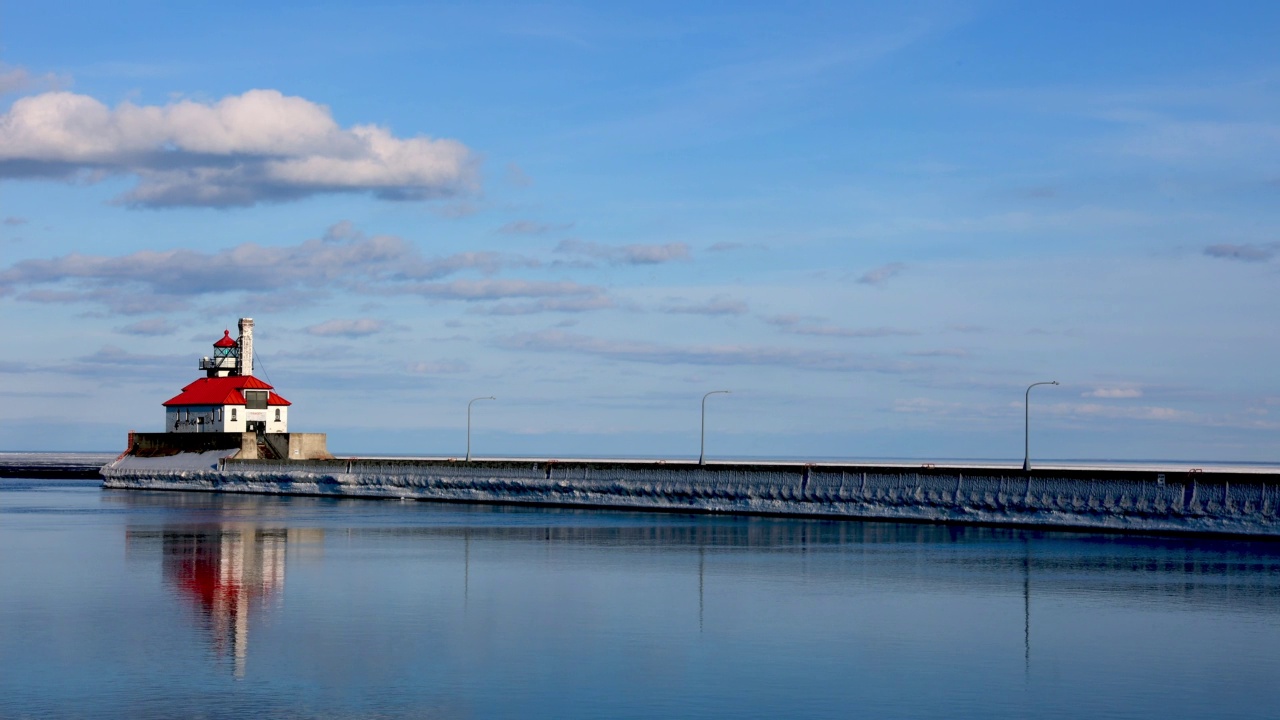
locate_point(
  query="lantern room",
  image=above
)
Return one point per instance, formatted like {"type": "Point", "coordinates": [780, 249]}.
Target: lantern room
{"type": "Point", "coordinates": [226, 357]}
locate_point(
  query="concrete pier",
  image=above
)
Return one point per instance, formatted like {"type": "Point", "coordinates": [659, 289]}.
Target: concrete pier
{"type": "Point", "coordinates": [53, 466]}
{"type": "Point", "coordinates": [1216, 501]}
{"type": "Point", "coordinates": [245, 445]}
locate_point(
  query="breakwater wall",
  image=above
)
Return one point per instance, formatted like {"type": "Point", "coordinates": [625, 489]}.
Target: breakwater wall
{"type": "Point", "coordinates": [53, 466]}
{"type": "Point", "coordinates": [1216, 502]}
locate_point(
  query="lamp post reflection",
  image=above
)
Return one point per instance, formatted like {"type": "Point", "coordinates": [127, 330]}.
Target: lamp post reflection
{"type": "Point", "coordinates": [1026, 605]}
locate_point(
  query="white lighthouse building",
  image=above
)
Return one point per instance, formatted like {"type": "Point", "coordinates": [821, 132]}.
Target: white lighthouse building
{"type": "Point", "coordinates": [229, 399]}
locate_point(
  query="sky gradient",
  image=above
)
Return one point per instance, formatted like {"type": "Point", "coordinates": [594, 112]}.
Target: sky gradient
{"type": "Point", "coordinates": [875, 224]}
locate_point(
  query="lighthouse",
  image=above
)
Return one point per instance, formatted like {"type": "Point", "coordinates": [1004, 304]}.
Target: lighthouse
{"type": "Point", "coordinates": [229, 399]}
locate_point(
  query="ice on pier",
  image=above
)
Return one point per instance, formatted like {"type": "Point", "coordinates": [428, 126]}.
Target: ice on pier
{"type": "Point", "coordinates": [1116, 498]}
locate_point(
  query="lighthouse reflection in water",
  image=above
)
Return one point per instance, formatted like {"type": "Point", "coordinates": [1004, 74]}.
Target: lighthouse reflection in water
{"type": "Point", "coordinates": [227, 572]}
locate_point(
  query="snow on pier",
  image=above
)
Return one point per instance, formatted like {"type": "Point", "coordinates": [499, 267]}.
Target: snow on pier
{"type": "Point", "coordinates": [1149, 499]}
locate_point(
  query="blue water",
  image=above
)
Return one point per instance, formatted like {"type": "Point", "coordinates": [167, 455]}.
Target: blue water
{"type": "Point", "coordinates": [128, 604]}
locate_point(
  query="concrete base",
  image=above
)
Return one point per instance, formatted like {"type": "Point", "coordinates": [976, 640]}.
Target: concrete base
{"type": "Point", "coordinates": [308, 446]}
{"type": "Point", "coordinates": [294, 446]}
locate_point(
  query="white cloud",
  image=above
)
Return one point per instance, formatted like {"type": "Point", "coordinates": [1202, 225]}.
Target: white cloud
{"type": "Point", "coordinates": [121, 301]}
{"type": "Point", "coordinates": [837, 331]}
{"type": "Point", "coordinates": [585, 303]}
{"type": "Point", "coordinates": [244, 149]}
{"type": "Point", "coordinates": [796, 325]}
{"type": "Point", "coordinates": [1173, 140]}
{"type": "Point", "coordinates": [347, 328]}
{"type": "Point", "coordinates": [718, 305]}
{"type": "Point", "coordinates": [485, 262]}
{"type": "Point", "coordinates": [1113, 393]}
{"type": "Point", "coordinates": [497, 289]}
{"type": "Point", "coordinates": [148, 281]}
{"type": "Point", "coordinates": [530, 227]}
{"type": "Point", "coordinates": [720, 247]}
{"type": "Point", "coordinates": [15, 79]}
{"type": "Point", "coordinates": [1244, 253]}
{"type": "Point", "coordinates": [926, 406]}
{"type": "Point", "coordinates": [244, 267]}
{"type": "Point", "coordinates": [879, 275]}
{"type": "Point", "coordinates": [446, 367]}
{"type": "Point", "coordinates": [517, 176]}
{"type": "Point", "coordinates": [1119, 412]}
{"type": "Point", "coordinates": [153, 326]}
{"type": "Point", "coordinates": [725, 246]}
{"type": "Point", "coordinates": [646, 352]}
{"type": "Point", "coordinates": [638, 254]}
{"type": "Point", "coordinates": [141, 368]}
{"type": "Point", "coordinates": [654, 254]}
{"type": "Point", "coordinates": [784, 320]}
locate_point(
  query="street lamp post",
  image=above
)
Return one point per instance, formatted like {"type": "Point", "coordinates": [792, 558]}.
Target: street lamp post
{"type": "Point", "coordinates": [469, 422]}
{"type": "Point", "coordinates": [702, 452]}
{"type": "Point", "coordinates": [1026, 437]}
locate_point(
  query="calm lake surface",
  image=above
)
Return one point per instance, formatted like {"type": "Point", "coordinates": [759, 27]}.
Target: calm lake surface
{"type": "Point", "coordinates": [136, 604]}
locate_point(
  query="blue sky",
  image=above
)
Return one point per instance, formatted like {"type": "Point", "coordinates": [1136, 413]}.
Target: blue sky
{"type": "Point", "coordinates": [875, 223]}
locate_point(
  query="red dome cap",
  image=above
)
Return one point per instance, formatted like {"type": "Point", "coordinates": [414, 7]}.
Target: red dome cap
{"type": "Point", "coordinates": [226, 340]}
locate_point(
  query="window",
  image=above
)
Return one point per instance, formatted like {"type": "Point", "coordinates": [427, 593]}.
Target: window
{"type": "Point", "coordinates": [277, 414]}
{"type": "Point", "coordinates": [255, 400]}
{"type": "Point", "coordinates": [233, 414]}
{"type": "Point", "coordinates": [217, 414]}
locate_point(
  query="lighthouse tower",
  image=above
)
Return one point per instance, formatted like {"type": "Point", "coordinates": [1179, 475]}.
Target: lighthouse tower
{"type": "Point", "coordinates": [229, 398]}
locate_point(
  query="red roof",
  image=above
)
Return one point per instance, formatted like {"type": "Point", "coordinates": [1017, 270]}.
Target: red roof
{"type": "Point", "coordinates": [226, 340]}
{"type": "Point", "coordinates": [223, 391]}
